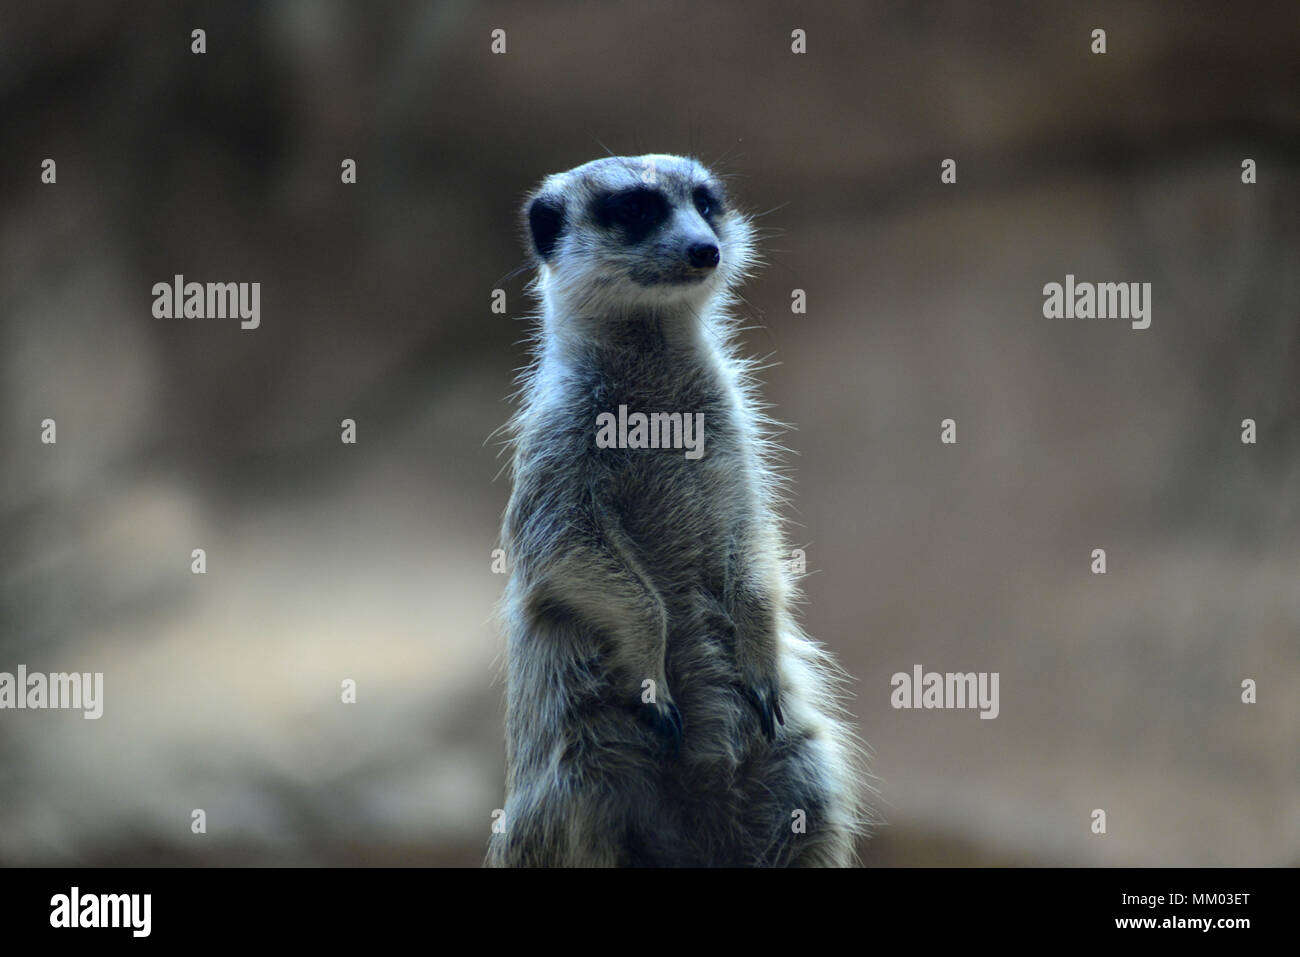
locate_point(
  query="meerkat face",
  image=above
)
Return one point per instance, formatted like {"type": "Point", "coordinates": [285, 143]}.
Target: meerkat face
{"type": "Point", "coordinates": [634, 232]}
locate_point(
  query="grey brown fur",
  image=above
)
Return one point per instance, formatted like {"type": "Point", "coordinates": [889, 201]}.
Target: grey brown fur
{"type": "Point", "coordinates": [635, 565]}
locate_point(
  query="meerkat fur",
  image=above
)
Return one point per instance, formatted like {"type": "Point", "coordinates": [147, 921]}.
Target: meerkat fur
{"type": "Point", "coordinates": [663, 706]}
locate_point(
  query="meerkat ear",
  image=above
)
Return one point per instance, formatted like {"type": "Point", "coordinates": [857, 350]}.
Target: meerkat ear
{"type": "Point", "coordinates": [545, 223]}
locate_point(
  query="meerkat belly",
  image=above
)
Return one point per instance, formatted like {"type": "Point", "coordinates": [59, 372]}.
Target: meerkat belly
{"type": "Point", "coordinates": [690, 522]}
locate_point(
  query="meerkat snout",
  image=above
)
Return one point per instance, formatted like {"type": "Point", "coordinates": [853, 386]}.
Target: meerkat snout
{"type": "Point", "coordinates": [702, 255]}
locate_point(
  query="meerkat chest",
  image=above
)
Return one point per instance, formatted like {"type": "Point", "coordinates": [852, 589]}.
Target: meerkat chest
{"type": "Point", "coordinates": [682, 502]}
{"type": "Point", "coordinates": [664, 448]}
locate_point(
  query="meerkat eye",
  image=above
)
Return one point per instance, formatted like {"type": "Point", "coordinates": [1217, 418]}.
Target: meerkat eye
{"type": "Point", "coordinates": [705, 201]}
{"type": "Point", "coordinates": [636, 211]}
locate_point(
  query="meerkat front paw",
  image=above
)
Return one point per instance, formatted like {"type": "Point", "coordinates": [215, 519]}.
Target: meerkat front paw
{"type": "Point", "coordinates": [666, 719]}
{"type": "Point", "coordinates": [759, 681]}
{"type": "Point", "coordinates": [755, 638]}
{"type": "Point", "coordinates": [765, 698]}
{"type": "Point", "coordinates": [657, 709]}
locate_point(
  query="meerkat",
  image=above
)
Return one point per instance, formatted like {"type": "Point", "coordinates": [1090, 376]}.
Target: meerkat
{"type": "Point", "coordinates": [663, 706]}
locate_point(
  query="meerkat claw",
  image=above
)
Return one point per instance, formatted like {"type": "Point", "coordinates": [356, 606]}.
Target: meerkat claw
{"type": "Point", "coordinates": [767, 704]}
{"type": "Point", "coordinates": [666, 719]}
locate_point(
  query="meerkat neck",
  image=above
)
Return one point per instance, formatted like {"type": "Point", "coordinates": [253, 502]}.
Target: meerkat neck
{"type": "Point", "coordinates": [682, 331]}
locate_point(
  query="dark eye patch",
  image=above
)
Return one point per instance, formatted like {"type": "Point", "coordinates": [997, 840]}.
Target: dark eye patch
{"type": "Point", "coordinates": [637, 212]}
{"type": "Point", "coordinates": [707, 202]}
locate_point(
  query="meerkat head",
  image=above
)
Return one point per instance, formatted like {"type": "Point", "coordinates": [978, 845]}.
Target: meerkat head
{"type": "Point", "coordinates": [630, 234]}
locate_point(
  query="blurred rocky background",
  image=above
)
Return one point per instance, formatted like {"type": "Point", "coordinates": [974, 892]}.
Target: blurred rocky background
{"type": "Point", "coordinates": [372, 562]}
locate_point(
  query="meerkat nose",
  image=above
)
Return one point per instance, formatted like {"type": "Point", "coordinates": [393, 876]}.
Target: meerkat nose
{"type": "Point", "coordinates": [702, 255]}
